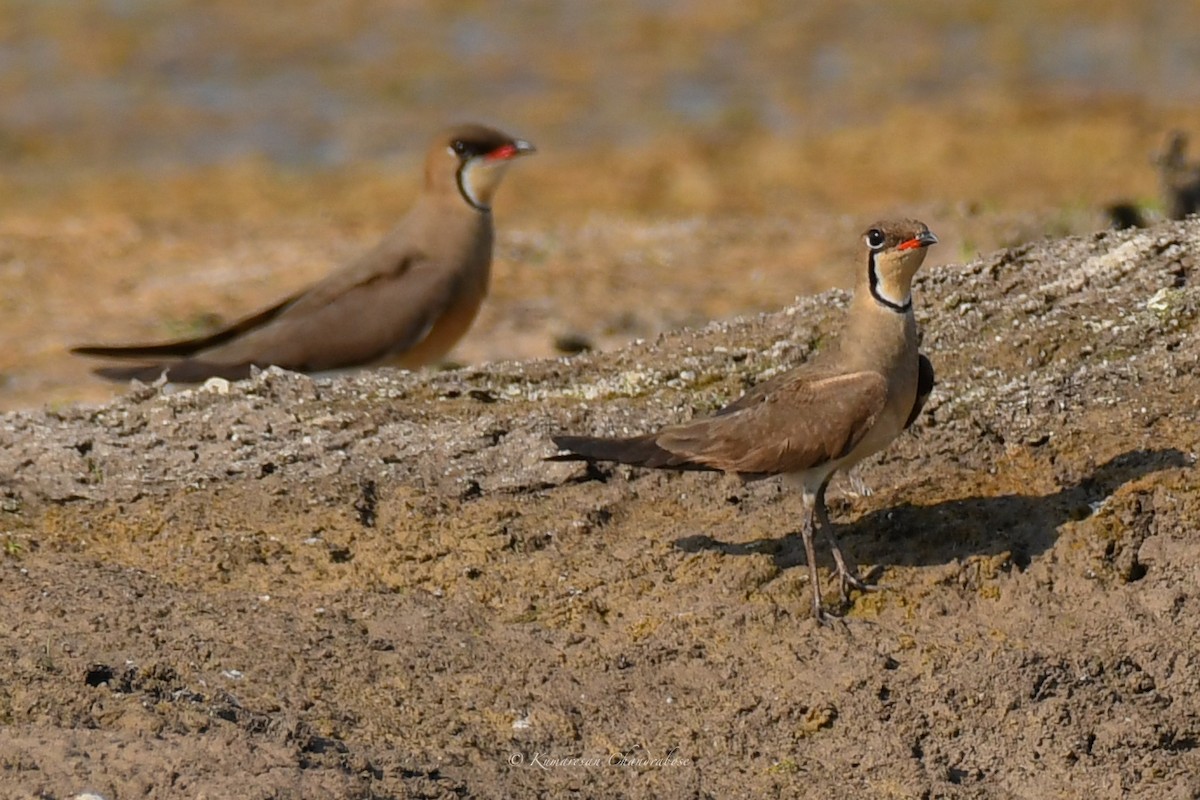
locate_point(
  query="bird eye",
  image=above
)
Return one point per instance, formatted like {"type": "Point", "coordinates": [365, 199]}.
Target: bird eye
{"type": "Point", "coordinates": [875, 238]}
{"type": "Point", "coordinates": [458, 146]}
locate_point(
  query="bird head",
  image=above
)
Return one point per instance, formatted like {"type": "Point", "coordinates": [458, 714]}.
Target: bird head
{"type": "Point", "coordinates": [477, 157]}
{"type": "Point", "coordinates": [895, 250]}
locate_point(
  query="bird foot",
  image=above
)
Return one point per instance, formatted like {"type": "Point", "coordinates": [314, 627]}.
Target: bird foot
{"type": "Point", "coordinates": [822, 615]}
{"type": "Point", "coordinates": [848, 580]}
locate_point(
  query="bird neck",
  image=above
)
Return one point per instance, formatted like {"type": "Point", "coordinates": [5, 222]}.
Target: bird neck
{"type": "Point", "coordinates": [455, 185]}
{"type": "Point", "coordinates": [877, 334]}
{"type": "Point", "coordinates": [477, 181]}
{"type": "Point", "coordinates": [893, 297]}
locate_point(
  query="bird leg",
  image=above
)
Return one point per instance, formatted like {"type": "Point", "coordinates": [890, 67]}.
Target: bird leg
{"type": "Point", "coordinates": [806, 533]}
{"type": "Point", "coordinates": [847, 579]}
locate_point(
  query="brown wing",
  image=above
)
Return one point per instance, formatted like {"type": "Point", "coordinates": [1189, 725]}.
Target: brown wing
{"type": "Point", "coordinates": [809, 371]}
{"type": "Point", "coordinates": [250, 340]}
{"type": "Point", "coordinates": [796, 422]}
{"type": "Point", "coordinates": [385, 303]}
{"type": "Point", "coordinates": [344, 322]}
{"type": "Point", "coordinates": [186, 347]}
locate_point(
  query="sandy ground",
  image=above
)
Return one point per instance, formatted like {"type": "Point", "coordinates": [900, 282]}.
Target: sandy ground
{"type": "Point", "coordinates": [374, 586]}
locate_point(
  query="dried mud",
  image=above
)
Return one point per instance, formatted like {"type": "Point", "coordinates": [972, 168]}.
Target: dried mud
{"type": "Point", "coordinates": [373, 586]}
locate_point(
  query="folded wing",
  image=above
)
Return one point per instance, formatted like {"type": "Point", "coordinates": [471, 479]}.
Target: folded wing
{"type": "Point", "coordinates": [786, 425]}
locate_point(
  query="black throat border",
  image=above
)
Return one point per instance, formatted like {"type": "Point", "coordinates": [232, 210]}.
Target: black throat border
{"type": "Point", "coordinates": [899, 308]}
{"type": "Point", "coordinates": [462, 189]}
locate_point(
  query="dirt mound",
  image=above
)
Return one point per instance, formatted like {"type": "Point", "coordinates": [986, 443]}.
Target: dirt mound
{"type": "Point", "coordinates": [374, 586]}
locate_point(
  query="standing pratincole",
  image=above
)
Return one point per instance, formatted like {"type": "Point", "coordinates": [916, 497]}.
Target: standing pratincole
{"type": "Point", "coordinates": [848, 402]}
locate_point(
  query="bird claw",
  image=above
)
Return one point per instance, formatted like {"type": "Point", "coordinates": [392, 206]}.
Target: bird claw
{"type": "Point", "coordinates": [848, 580]}
{"type": "Point", "coordinates": [823, 616]}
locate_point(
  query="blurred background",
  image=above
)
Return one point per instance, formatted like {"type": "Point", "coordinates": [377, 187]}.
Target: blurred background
{"type": "Point", "coordinates": [166, 165]}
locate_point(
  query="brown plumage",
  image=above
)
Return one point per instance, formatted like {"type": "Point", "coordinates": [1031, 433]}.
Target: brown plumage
{"type": "Point", "coordinates": [847, 403]}
{"type": "Point", "coordinates": [406, 302]}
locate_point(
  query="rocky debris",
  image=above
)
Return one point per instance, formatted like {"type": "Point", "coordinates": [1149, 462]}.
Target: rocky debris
{"type": "Point", "coordinates": [1024, 341]}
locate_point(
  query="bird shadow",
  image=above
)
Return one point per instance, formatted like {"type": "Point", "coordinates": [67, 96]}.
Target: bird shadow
{"type": "Point", "coordinates": [911, 535]}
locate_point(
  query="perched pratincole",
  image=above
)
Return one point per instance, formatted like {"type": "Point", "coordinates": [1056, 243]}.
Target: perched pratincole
{"type": "Point", "coordinates": [851, 400]}
{"type": "Point", "coordinates": [1179, 178]}
{"type": "Point", "coordinates": [406, 302]}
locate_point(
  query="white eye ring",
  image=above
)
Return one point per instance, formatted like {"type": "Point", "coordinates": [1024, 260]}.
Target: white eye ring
{"type": "Point", "coordinates": [875, 239]}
